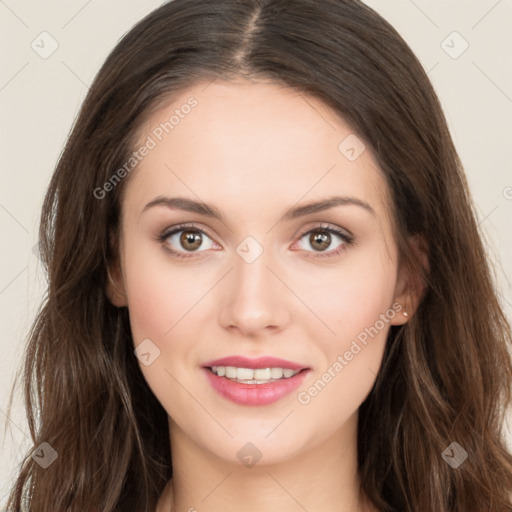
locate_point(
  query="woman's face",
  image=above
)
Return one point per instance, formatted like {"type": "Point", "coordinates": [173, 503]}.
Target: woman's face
{"type": "Point", "coordinates": [254, 273]}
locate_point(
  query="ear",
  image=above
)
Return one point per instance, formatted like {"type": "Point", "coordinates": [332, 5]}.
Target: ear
{"type": "Point", "coordinates": [411, 284]}
{"type": "Point", "coordinates": [115, 289]}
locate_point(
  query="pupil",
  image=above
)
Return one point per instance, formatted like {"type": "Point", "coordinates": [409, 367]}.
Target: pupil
{"type": "Point", "coordinates": [319, 240]}
{"type": "Point", "coordinates": [190, 237]}
{"type": "Point", "coordinates": [323, 239]}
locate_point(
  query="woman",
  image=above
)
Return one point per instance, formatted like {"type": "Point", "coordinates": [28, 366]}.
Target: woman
{"type": "Point", "coordinates": [266, 282]}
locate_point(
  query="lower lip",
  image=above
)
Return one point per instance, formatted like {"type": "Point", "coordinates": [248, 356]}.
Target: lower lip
{"type": "Point", "coordinates": [254, 394]}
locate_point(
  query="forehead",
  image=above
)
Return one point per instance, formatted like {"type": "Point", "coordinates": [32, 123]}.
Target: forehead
{"type": "Point", "coordinates": [252, 146]}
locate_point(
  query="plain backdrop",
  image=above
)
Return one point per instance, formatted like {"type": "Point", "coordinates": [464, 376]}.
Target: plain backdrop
{"type": "Point", "coordinates": [464, 45]}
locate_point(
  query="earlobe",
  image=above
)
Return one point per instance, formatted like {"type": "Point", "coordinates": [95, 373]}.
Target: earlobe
{"type": "Point", "coordinates": [408, 300]}
{"type": "Point", "coordinates": [403, 314]}
{"type": "Point", "coordinates": [411, 284]}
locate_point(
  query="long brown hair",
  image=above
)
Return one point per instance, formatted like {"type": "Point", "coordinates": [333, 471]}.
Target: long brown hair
{"type": "Point", "coordinates": [446, 376]}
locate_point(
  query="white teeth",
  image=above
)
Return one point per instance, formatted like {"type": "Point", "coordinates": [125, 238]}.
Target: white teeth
{"type": "Point", "coordinates": [259, 374]}
{"type": "Point", "coordinates": [231, 372]}
{"type": "Point", "coordinates": [254, 376]}
{"type": "Point", "coordinates": [276, 373]}
{"type": "Point", "coordinates": [241, 373]}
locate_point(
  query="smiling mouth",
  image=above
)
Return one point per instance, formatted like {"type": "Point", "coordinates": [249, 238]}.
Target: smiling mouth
{"type": "Point", "coordinates": [257, 386]}
{"type": "Point", "coordinates": [254, 375]}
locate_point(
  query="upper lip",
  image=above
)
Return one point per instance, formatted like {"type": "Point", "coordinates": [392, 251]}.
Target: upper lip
{"type": "Point", "coordinates": [259, 362]}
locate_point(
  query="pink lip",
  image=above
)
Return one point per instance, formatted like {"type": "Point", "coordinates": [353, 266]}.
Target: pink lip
{"type": "Point", "coordinates": [260, 362]}
{"type": "Point", "coordinates": [254, 394]}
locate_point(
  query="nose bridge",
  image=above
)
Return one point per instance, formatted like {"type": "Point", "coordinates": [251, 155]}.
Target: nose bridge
{"type": "Point", "coordinates": [253, 279]}
{"type": "Point", "coordinates": [253, 299]}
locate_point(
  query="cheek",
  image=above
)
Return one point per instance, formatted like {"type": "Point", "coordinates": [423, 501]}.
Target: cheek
{"type": "Point", "coordinates": [354, 302]}
{"type": "Point", "coordinates": [159, 295]}
{"type": "Point", "coordinates": [352, 295]}
{"type": "Point", "coordinates": [161, 303]}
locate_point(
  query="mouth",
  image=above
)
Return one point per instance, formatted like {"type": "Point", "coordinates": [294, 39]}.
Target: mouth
{"type": "Point", "coordinates": [261, 362]}
{"type": "Point", "coordinates": [253, 375]}
{"type": "Point", "coordinates": [254, 381]}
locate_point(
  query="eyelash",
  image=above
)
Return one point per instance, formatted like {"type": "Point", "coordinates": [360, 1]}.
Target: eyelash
{"type": "Point", "coordinates": [348, 240]}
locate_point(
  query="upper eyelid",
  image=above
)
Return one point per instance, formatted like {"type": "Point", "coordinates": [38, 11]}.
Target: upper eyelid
{"type": "Point", "coordinates": [323, 225]}
{"type": "Point", "coordinates": [182, 227]}
{"type": "Point", "coordinates": [327, 226]}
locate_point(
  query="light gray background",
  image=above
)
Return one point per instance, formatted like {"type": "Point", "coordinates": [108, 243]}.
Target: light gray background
{"type": "Point", "coordinates": [39, 98]}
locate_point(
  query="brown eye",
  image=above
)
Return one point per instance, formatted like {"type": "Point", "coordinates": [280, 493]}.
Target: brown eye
{"type": "Point", "coordinates": [325, 241]}
{"type": "Point", "coordinates": [191, 240]}
{"type": "Point", "coordinates": [320, 240]}
{"type": "Point", "coordinates": [184, 241]}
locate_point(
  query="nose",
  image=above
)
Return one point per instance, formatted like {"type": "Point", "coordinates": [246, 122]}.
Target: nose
{"type": "Point", "coordinates": [254, 300]}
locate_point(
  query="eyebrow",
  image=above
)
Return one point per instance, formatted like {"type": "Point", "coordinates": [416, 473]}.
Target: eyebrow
{"type": "Point", "coordinates": [189, 205]}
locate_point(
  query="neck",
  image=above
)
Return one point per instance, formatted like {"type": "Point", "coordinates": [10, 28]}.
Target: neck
{"type": "Point", "coordinates": [321, 478]}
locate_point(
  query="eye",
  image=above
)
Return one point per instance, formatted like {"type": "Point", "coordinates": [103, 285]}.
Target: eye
{"type": "Point", "coordinates": [321, 238]}
{"type": "Point", "coordinates": [183, 239]}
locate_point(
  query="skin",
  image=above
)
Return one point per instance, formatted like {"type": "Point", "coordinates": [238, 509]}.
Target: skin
{"type": "Point", "coordinates": [254, 150]}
